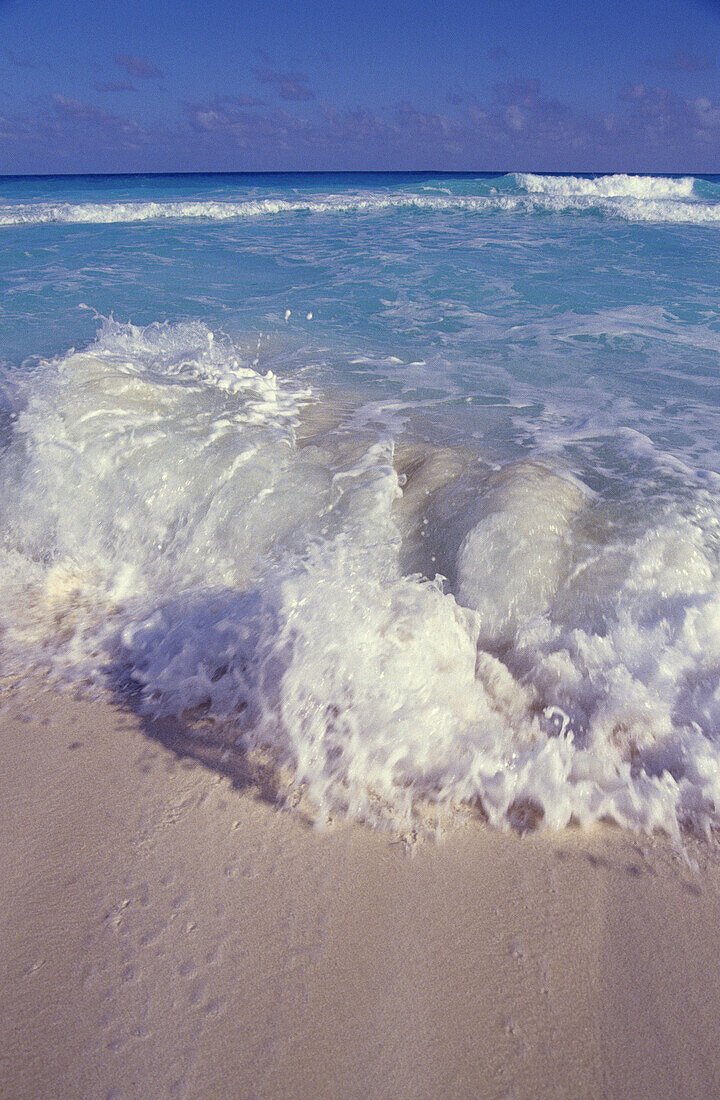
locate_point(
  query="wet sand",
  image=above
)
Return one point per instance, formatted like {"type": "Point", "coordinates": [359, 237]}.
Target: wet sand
{"type": "Point", "coordinates": [167, 932]}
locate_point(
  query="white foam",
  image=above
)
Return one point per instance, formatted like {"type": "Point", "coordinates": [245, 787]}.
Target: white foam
{"type": "Point", "coordinates": [168, 534]}
{"type": "Point", "coordinates": [511, 562]}
{"type": "Point", "coordinates": [615, 186]}
{"type": "Point", "coordinates": [112, 212]}
{"type": "Point", "coordinates": [632, 198]}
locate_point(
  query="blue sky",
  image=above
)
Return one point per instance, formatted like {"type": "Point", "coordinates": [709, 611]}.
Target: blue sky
{"type": "Point", "coordinates": [126, 86]}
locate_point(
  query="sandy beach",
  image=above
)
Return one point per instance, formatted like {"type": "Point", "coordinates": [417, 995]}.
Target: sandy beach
{"type": "Point", "coordinates": [360, 550]}
{"type": "Point", "coordinates": [168, 933]}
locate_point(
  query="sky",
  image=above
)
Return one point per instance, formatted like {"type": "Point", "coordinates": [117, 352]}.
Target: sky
{"type": "Point", "coordinates": [262, 85]}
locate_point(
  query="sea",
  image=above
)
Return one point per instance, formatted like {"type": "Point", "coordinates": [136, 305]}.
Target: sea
{"type": "Point", "coordinates": [404, 487]}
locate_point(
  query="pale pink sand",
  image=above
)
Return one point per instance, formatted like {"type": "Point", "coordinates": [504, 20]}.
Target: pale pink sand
{"type": "Point", "coordinates": [165, 934]}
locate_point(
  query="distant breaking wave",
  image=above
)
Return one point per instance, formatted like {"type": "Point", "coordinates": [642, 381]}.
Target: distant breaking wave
{"type": "Point", "coordinates": [618, 186]}
{"type": "Point", "coordinates": [631, 198]}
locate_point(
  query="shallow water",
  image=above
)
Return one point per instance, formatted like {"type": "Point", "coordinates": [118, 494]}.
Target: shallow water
{"type": "Point", "coordinates": [409, 483]}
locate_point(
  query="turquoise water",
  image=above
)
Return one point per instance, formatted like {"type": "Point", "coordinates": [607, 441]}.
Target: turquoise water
{"type": "Point", "coordinates": [408, 481]}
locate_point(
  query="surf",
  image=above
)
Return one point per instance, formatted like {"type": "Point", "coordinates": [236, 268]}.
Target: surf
{"type": "Point", "coordinates": [630, 198]}
{"type": "Point", "coordinates": [402, 631]}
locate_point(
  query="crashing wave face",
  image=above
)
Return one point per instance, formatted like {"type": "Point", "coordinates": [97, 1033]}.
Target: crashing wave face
{"type": "Point", "coordinates": [398, 631]}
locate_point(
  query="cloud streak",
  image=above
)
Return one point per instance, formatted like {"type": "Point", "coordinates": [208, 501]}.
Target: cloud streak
{"type": "Point", "coordinates": [115, 86]}
{"type": "Point", "coordinates": [290, 86]}
{"type": "Point", "coordinates": [140, 67]}
{"type": "Point", "coordinates": [645, 129]}
{"type": "Point", "coordinates": [517, 126]}
{"type": "Point", "coordinates": [684, 62]}
{"type": "Point", "coordinates": [25, 62]}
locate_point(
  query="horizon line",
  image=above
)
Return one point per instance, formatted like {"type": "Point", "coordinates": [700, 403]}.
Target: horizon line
{"type": "Point", "coordinates": [355, 172]}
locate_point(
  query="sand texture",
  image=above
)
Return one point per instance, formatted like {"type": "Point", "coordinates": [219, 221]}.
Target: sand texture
{"type": "Point", "coordinates": [166, 931]}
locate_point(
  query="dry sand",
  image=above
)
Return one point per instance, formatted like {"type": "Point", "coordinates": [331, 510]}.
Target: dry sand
{"type": "Point", "coordinates": [165, 932]}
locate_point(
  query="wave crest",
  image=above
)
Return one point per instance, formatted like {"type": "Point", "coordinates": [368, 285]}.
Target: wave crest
{"type": "Point", "coordinates": [615, 186]}
{"type": "Point", "coordinates": [174, 532]}
{"type": "Point", "coordinates": [631, 198]}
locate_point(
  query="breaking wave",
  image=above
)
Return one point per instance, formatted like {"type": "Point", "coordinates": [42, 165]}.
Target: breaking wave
{"type": "Point", "coordinates": [398, 631]}
{"type": "Point", "coordinates": [631, 198]}
{"type": "Point", "coordinates": [616, 186]}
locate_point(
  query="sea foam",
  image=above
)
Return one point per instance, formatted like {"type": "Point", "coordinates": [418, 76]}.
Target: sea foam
{"type": "Point", "coordinates": [631, 198]}
{"type": "Point", "coordinates": [402, 631]}
{"type": "Point", "coordinates": [616, 186]}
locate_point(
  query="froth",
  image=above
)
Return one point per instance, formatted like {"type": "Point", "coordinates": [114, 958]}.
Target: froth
{"type": "Point", "coordinates": [633, 198]}
{"type": "Point", "coordinates": [640, 187]}
{"type": "Point", "coordinates": [397, 629]}
{"type": "Point", "coordinates": [511, 562]}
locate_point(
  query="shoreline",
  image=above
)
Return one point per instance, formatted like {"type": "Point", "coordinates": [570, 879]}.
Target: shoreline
{"type": "Point", "coordinates": [168, 934]}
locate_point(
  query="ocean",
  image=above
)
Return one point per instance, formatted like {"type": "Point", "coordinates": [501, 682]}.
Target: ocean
{"type": "Point", "coordinates": [406, 487]}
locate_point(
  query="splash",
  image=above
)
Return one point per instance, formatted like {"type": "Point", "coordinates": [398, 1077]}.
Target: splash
{"type": "Point", "coordinates": [401, 631]}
